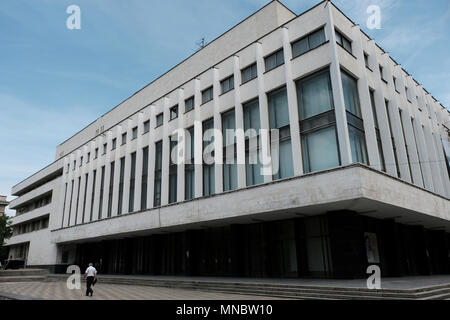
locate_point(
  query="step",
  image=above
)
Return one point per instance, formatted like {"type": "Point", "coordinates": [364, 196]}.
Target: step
{"type": "Point", "coordinates": [23, 272]}
{"type": "Point", "coordinates": [190, 284]}
{"type": "Point", "coordinates": [289, 291]}
{"type": "Point", "coordinates": [36, 278]}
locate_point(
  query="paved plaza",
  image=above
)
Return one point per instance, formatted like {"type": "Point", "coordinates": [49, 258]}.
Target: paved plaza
{"type": "Point", "coordinates": [58, 290]}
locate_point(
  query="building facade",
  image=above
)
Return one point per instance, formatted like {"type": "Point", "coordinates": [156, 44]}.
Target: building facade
{"type": "Point", "coordinates": [361, 177]}
{"type": "Point", "coordinates": [3, 205]}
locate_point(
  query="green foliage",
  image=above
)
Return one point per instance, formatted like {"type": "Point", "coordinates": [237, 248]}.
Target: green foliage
{"type": "Point", "coordinates": [5, 233]}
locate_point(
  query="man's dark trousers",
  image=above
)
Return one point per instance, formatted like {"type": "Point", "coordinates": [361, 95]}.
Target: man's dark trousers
{"type": "Point", "coordinates": [89, 281]}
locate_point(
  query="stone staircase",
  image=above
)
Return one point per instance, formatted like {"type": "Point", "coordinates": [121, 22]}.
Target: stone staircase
{"type": "Point", "coordinates": [23, 275]}
{"type": "Point", "coordinates": [283, 290]}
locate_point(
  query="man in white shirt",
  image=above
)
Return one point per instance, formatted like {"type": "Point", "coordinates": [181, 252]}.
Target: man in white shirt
{"type": "Point", "coordinates": [90, 275]}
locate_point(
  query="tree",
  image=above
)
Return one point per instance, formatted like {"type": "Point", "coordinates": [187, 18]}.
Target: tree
{"type": "Point", "coordinates": [5, 233]}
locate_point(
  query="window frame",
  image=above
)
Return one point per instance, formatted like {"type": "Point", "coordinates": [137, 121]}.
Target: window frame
{"type": "Point", "coordinates": [171, 110]}
{"type": "Point", "coordinates": [229, 80]}
{"type": "Point", "coordinates": [249, 67]}
{"type": "Point", "coordinates": [209, 89]}
{"type": "Point", "coordinates": [343, 38]}
{"type": "Point", "coordinates": [159, 116]}
{"type": "Point", "coordinates": [193, 104]}
{"type": "Point", "coordinates": [276, 54]}
{"type": "Point", "coordinates": [307, 38]}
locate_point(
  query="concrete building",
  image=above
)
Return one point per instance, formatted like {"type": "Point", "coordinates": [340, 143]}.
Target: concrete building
{"type": "Point", "coordinates": [3, 205]}
{"type": "Point", "coordinates": [362, 174]}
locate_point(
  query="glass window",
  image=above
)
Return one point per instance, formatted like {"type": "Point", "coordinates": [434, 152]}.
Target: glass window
{"type": "Point", "coordinates": [357, 145]}
{"type": "Point", "coordinates": [366, 60]}
{"type": "Point", "coordinates": [315, 39]}
{"type": "Point", "coordinates": [314, 95]}
{"type": "Point", "coordinates": [299, 47]}
{"type": "Point", "coordinates": [124, 138]}
{"type": "Point", "coordinates": [320, 150]}
{"type": "Point", "coordinates": [134, 133]}
{"type": "Point", "coordinates": [159, 119]}
{"type": "Point", "coordinates": [111, 188]}
{"type": "Point", "coordinates": [274, 60]}
{"type": "Point", "coordinates": [229, 151]}
{"type": "Point", "coordinates": [279, 119]}
{"type": "Point", "coordinates": [132, 182]}
{"type": "Point", "coordinates": [227, 84]}
{"type": "Point", "coordinates": [94, 173]}
{"type": "Point", "coordinates": [252, 161]}
{"type": "Point", "coordinates": [343, 41]}
{"type": "Point", "coordinates": [208, 167]}
{"type": "Point", "coordinates": [207, 95]}
{"type": "Point", "coordinates": [351, 97]}
{"type": "Point", "coordinates": [146, 126]}
{"type": "Point", "coordinates": [172, 171]}
{"type": "Point", "coordinates": [394, 80]}
{"type": "Point", "coordinates": [102, 187]}
{"type": "Point", "coordinates": [174, 112]}
{"type": "Point", "coordinates": [113, 144]}
{"type": "Point", "coordinates": [189, 104]}
{"type": "Point", "coordinates": [278, 109]}
{"type": "Point", "coordinates": [158, 174]}
{"type": "Point", "coordinates": [144, 178]}
{"type": "Point", "coordinates": [381, 72]}
{"type": "Point", "coordinates": [374, 110]}
{"type": "Point", "coordinates": [249, 73]}
{"type": "Point", "coordinates": [121, 181]}
{"type": "Point", "coordinates": [307, 43]}
{"type": "Point", "coordinates": [189, 180]}
{"type": "Point", "coordinates": [377, 131]}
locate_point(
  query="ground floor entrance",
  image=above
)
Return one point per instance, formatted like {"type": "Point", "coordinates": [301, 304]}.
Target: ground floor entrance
{"type": "Point", "coordinates": [333, 245]}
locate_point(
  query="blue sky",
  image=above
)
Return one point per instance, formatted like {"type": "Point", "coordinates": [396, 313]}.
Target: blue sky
{"type": "Point", "coordinates": [55, 81]}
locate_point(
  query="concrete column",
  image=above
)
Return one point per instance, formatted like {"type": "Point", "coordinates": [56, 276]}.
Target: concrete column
{"type": "Point", "coordinates": [83, 171]}
{"type": "Point", "coordinates": [293, 106]}
{"type": "Point", "coordinates": [115, 198]}
{"type": "Point", "coordinates": [364, 97]}
{"type": "Point", "coordinates": [263, 106]}
{"type": "Point", "coordinates": [395, 121]}
{"type": "Point", "coordinates": [138, 186]}
{"type": "Point", "coordinates": [218, 140]}
{"type": "Point", "coordinates": [432, 158]}
{"type": "Point", "coordinates": [165, 156]}
{"type": "Point", "coordinates": [108, 160]}
{"type": "Point", "coordinates": [338, 96]}
{"type": "Point", "coordinates": [409, 134]}
{"type": "Point", "coordinates": [198, 143]}
{"type": "Point", "coordinates": [423, 154]}
{"type": "Point", "coordinates": [151, 157]}
{"type": "Point", "coordinates": [73, 214]}
{"type": "Point", "coordinates": [90, 182]}
{"type": "Point", "coordinates": [63, 198]}
{"type": "Point", "coordinates": [380, 106]}
{"type": "Point", "coordinates": [100, 162]}
{"type": "Point", "coordinates": [239, 114]}
{"type": "Point", "coordinates": [127, 172]}
{"type": "Point", "coordinates": [432, 153]}
{"type": "Point", "coordinates": [181, 143]}
{"type": "Point", "coordinates": [422, 145]}
{"type": "Point", "coordinates": [442, 166]}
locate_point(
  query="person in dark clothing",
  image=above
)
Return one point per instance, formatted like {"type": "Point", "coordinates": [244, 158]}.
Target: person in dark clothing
{"type": "Point", "coordinates": [90, 275]}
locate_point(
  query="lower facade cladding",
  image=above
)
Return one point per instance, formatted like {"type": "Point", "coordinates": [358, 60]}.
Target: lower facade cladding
{"type": "Point", "coordinates": [333, 245]}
